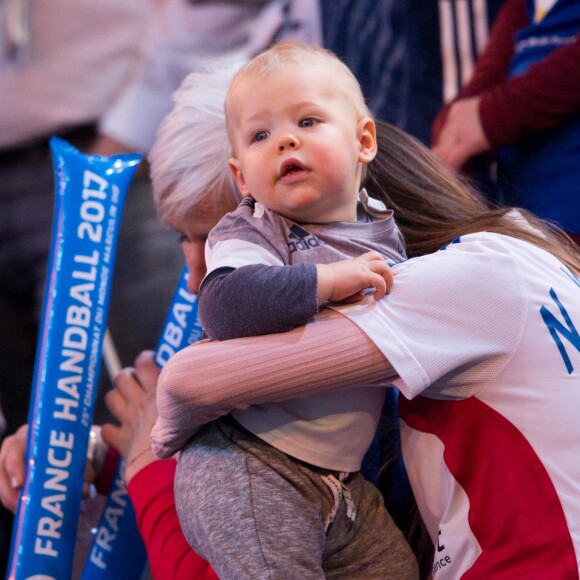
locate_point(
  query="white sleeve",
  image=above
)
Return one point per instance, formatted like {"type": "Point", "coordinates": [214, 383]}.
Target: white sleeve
{"type": "Point", "coordinates": [452, 321]}
{"type": "Point", "coordinates": [237, 253]}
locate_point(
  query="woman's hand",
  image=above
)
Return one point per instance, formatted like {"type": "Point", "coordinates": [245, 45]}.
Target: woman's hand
{"type": "Point", "coordinates": [13, 469]}
{"type": "Point", "coordinates": [132, 402]}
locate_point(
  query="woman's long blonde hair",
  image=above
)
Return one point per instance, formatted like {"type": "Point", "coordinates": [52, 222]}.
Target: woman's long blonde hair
{"type": "Point", "coordinates": [433, 206]}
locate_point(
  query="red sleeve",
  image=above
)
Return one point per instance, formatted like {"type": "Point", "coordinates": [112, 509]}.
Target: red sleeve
{"type": "Point", "coordinates": [104, 479]}
{"type": "Point", "coordinates": [170, 556]}
{"type": "Point", "coordinates": [539, 99]}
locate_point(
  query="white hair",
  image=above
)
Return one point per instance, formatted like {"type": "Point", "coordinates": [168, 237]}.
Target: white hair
{"type": "Point", "coordinates": [188, 160]}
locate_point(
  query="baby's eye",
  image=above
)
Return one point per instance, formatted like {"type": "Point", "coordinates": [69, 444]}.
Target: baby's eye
{"type": "Point", "coordinates": [307, 122]}
{"type": "Point", "coordinates": [260, 136]}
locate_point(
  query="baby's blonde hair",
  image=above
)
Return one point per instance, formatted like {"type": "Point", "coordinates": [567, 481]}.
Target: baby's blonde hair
{"type": "Point", "coordinates": [188, 161]}
{"type": "Point", "coordinates": [295, 52]}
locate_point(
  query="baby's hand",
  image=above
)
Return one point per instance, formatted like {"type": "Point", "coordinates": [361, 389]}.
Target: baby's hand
{"type": "Point", "coordinates": [344, 281]}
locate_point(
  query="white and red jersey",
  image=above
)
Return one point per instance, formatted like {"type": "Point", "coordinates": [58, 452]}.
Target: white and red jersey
{"type": "Point", "coordinates": [485, 337]}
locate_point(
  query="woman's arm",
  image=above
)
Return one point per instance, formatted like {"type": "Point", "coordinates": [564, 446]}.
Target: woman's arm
{"type": "Point", "coordinates": [206, 381]}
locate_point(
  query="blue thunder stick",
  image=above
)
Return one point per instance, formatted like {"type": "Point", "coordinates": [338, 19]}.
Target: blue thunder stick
{"type": "Point", "coordinates": [117, 551]}
{"type": "Point", "coordinates": [89, 197]}
{"type": "Point", "coordinates": [182, 326]}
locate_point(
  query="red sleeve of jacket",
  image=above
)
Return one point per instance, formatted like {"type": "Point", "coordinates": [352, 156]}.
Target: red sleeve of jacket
{"type": "Point", "coordinates": [170, 556]}
{"type": "Point", "coordinates": [539, 99]}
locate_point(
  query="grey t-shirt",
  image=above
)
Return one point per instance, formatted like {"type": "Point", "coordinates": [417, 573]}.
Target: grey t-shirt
{"type": "Point", "coordinates": [262, 279]}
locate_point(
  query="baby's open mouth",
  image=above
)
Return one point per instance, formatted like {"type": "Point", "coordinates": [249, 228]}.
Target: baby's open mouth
{"type": "Point", "coordinates": [291, 167]}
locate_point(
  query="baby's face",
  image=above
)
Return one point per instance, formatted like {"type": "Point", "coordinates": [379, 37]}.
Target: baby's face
{"type": "Point", "coordinates": [297, 141]}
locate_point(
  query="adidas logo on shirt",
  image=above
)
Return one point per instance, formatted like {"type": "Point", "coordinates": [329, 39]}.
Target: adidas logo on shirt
{"type": "Point", "coordinates": [302, 240]}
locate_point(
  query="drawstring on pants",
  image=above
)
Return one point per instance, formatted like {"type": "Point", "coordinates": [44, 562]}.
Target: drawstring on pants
{"type": "Point", "coordinates": [339, 491]}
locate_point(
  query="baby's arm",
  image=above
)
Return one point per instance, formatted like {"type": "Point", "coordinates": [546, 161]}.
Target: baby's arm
{"type": "Point", "coordinates": [257, 299]}
{"type": "Point", "coordinates": [250, 290]}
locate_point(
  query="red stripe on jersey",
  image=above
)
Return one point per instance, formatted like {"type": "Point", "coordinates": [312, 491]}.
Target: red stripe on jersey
{"type": "Point", "coordinates": [514, 510]}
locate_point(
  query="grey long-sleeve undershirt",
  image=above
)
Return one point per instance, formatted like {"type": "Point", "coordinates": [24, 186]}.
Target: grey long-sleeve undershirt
{"type": "Point", "coordinates": [257, 299]}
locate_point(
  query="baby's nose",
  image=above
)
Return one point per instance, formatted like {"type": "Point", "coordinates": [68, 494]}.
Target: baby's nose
{"type": "Point", "coordinates": [288, 141]}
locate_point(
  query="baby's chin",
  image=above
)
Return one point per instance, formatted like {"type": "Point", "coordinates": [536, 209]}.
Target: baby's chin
{"type": "Point", "coordinates": [305, 213]}
{"type": "Point", "coordinates": [316, 211]}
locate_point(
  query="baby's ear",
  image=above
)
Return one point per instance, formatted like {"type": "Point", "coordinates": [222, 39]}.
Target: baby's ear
{"type": "Point", "coordinates": [367, 136]}
{"type": "Point", "coordinates": [236, 170]}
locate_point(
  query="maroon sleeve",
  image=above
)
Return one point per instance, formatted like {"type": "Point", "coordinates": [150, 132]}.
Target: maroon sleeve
{"type": "Point", "coordinates": [170, 556]}
{"type": "Point", "coordinates": [539, 99]}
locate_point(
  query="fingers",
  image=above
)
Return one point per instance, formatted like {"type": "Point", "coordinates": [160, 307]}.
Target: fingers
{"type": "Point", "coordinates": [451, 156]}
{"type": "Point", "coordinates": [387, 277]}
{"type": "Point", "coordinates": [127, 398]}
{"type": "Point", "coordinates": [462, 136]}
{"type": "Point", "coordinates": [134, 384]}
{"type": "Point", "coordinates": [147, 371]}
{"type": "Point", "coordinates": [126, 388]}
{"type": "Point", "coordinates": [347, 279]}
{"type": "Point", "coordinates": [449, 149]}
{"type": "Point", "coordinates": [111, 435]}
{"type": "Point", "coordinates": [132, 403]}
{"type": "Point", "coordinates": [12, 468]}
{"type": "Point", "coordinates": [382, 275]}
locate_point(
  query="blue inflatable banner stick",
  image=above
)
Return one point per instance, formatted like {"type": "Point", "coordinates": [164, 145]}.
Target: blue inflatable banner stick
{"type": "Point", "coordinates": [117, 551]}
{"type": "Point", "coordinates": [182, 326]}
{"type": "Point", "coordinates": [90, 194]}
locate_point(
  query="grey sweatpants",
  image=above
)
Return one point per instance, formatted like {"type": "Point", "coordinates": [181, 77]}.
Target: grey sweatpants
{"type": "Point", "coordinates": [255, 513]}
